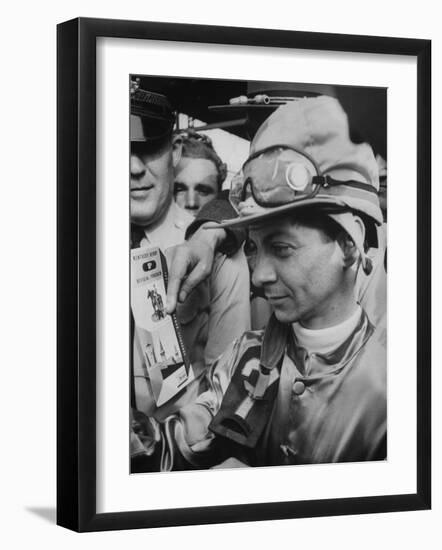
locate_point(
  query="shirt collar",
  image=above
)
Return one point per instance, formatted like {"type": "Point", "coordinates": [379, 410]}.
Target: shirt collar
{"type": "Point", "coordinates": [316, 365]}
{"type": "Point", "coordinates": [327, 339]}
{"type": "Point", "coordinates": [168, 232]}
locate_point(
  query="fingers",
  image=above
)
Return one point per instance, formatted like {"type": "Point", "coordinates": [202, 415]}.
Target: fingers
{"type": "Point", "coordinates": [179, 262]}
{"type": "Point", "coordinates": [190, 264]}
{"type": "Point", "coordinates": [198, 274]}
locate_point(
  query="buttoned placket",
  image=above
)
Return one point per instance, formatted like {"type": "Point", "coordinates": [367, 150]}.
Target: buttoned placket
{"type": "Point", "coordinates": [301, 383]}
{"type": "Point", "coordinates": [301, 370]}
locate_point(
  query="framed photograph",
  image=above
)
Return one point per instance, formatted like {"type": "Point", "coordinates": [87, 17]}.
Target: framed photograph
{"type": "Point", "coordinates": [234, 342]}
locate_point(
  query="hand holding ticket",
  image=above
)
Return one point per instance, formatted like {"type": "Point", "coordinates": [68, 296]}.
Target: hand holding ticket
{"type": "Point", "coordinates": [157, 334]}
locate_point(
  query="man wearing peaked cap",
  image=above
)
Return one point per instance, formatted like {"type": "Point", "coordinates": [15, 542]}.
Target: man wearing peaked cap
{"type": "Point", "coordinates": [311, 386]}
{"type": "Point", "coordinates": [207, 324]}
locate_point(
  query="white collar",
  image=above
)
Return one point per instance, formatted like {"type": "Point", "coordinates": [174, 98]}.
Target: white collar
{"type": "Point", "coordinates": [325, 340]}
{"type": "Point", "coordinates": [172, 229]}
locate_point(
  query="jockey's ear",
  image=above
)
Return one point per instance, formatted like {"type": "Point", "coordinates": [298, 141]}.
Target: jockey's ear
{"type": "Point", "coordinates": [350, 250]}
{"type": "Point", "coordinates": [351, 240]}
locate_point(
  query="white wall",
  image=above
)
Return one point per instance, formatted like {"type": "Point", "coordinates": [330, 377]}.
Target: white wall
{"type": "Point", "coordinates": [27, 487]}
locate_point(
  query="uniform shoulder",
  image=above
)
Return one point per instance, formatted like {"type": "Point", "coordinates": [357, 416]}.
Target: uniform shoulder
{"type": "Point", "coordinates": [371, 363]}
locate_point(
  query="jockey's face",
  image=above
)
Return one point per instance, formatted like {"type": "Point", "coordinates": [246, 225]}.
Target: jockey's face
{"type": "Point", "coordinates": [301, 271]}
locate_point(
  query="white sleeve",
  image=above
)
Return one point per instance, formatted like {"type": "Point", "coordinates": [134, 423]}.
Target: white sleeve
{"type": "Point", "coordinates": [229, 315]}
{"type": "Point", "coordinates": [188, 431]}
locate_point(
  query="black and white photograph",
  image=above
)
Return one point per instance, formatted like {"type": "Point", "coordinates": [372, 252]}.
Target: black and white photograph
{"type": "Point", "coordinates": [258, 260]}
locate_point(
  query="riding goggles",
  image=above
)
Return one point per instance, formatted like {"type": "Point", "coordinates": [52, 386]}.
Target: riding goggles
{"type": "Point", "coordinates": [281, 175]}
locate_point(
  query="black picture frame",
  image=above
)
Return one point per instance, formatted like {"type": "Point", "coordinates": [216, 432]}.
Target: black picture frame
{"type": "Point", "coordinates": [76, 273]}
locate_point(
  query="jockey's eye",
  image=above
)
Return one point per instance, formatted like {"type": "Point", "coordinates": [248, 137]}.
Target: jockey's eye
{"type": "Point", "coordinates": [249, 248]}
{"type": "Point", "coordinates": [281, 250]}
